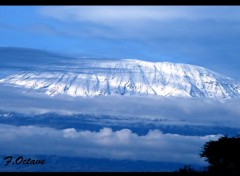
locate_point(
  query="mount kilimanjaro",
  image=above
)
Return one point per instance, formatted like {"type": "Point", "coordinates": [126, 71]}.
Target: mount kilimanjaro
{"type": "Point", "coordinates": [127, 77]}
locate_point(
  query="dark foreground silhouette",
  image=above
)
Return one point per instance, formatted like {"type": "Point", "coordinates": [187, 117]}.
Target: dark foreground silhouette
{"type": "Point", "coordinates": [223, 157]}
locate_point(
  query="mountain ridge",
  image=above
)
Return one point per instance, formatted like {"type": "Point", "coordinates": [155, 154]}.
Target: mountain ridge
{"type": "Point", "coordinates": [127, 77]}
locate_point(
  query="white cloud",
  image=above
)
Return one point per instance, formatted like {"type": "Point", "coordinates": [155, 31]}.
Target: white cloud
{"type": "Point", "coordinates": [122, 144]}
{"type": "Point", "coordinates": [157, 28]}
{"type": "Point", "coordinates": [110, 14]}
{"type": "Point", "coordinates": [115, 14]}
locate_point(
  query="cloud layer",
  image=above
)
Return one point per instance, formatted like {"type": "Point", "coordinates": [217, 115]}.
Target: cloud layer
{"type": "Point", "coordinates": [134, 21]}
{"type": "Point", "coordinates": [173, 110]}
{"type": "Point", "coordinates": [205, 36]}
{"type": "Point", "coordinates": [114, 14]}
{"type": "Point", "coordinates": [198, 35]}
{"type": "Point", "coordinates": [122, 144]}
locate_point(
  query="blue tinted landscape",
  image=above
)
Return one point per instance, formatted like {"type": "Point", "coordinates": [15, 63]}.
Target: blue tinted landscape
{"type": "Point", "coordinates": [98, 89]}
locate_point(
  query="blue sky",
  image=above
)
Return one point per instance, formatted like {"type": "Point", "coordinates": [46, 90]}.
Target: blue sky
{"type": "Point", "coordinates": [202, 35]}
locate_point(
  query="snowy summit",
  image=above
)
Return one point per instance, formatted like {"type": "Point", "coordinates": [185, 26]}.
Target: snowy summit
{"type": "Point", "coordinates": [127, 77]}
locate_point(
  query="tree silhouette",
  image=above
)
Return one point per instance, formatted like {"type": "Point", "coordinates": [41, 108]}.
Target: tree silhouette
{"type": "Point", "coordinates": [223, 156]}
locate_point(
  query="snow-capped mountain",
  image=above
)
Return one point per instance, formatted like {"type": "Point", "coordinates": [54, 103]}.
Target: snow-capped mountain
{"type": "Point", "coordinates": [127, 77]}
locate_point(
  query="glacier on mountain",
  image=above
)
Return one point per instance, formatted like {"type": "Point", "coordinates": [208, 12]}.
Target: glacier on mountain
{"type": "Point", "coordinates": [127, 77]}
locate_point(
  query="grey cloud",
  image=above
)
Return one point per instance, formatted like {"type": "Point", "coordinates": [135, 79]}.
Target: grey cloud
{"type": "Point", "coordinates": [173, 110]}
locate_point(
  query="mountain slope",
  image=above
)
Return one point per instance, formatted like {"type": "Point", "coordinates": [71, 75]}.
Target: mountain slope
{"type": "Point", "coordinates": [127, 77]}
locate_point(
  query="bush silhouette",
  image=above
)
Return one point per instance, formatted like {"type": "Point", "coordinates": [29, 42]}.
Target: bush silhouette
{"type": "Point", "coordinates": [223, 156]}
{"type": "Point", "coordinates": [186, 169]}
